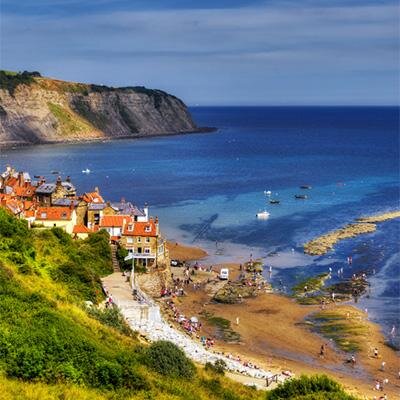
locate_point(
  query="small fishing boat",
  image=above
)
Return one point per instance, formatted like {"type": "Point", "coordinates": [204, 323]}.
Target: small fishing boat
{"type": "Point", "coordinates": [300, 196]}
{"type": "Point", "coordinates": [267, 192]}
{"type": "Point", "coordinates": [262, 214]}
{"type": "Point", "coordinates": [38, 177]}
{"type": "Point", "coordinates": [274, 201]}
{"type": "Point", "coordinates": [86, 171]}
{"type": "Point", "coordinates": [55, 172]}
{"type": "Point", "coordinates": [305, 187]}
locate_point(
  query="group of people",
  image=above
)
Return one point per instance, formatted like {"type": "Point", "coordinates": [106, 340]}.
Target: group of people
{"type": "Point", "coordinates": [190, 325]}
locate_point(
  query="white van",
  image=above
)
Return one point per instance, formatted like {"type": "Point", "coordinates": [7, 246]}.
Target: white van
{"type": "Point", "coordinates": [224, 274]}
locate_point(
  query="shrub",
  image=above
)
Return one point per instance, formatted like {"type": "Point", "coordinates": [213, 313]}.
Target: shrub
{"type": "Point", "coordinates": [218, 367]}
{"type": "Point", "coordinates": [318, 387]}
{"type": "Point", "coordinates": [168, 359]}
{"type": "Point", "coordinates": [112, 317]}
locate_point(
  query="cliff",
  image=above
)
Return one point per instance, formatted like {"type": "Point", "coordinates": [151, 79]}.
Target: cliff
{"type": "Point", "coordinates": [36, 110]}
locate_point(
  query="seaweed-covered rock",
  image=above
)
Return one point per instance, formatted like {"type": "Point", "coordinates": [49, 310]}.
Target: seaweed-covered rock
{"type": "Point", "coordinates": [233, 293]}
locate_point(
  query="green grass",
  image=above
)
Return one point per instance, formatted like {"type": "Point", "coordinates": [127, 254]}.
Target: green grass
{"type": "Point", "coordinates": [52, 347]}
{"type": "Point", "coordinates": [69, 122]}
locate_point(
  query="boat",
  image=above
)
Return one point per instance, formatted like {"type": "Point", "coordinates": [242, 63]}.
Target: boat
{"type": "Point", "coordinates": [267, 192]}
{"type": "Point", "coordinates": [262, 214]}
{"type": "Point", "coordinates": [300, 196]}
{"type": "Point", "coordinates": [55, 172]}
{"type": "Point", "coordinates": [305, 187]}
{"type": "Point", "coordinates": [86, 171]}
{"type": "Point", "coordinates": [274, 201]}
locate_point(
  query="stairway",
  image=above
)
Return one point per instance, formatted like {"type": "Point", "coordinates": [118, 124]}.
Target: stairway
{"type": "Point", "coordinates": [114, 259]}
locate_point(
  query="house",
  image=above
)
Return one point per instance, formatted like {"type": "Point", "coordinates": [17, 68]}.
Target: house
{"type": "Point", "coordinates": [144, 241]}
{"type": "Point", "coordinates": [127, 208]}
{"type": "Point", "coordinates": [114, 224]}
{"type": "Point", "coordinates": [61, 217]}
{"type": "Point", "coordinates": [47, 193]}
{"type": "Point", "coordinates": [95, 206]}
{"type": "Point", "coordinates": [81, 232]}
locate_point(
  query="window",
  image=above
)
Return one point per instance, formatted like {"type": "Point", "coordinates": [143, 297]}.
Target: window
{"type": "Point", "coordinates": [139, 239]}
{"type": "Point", "coordinates": [130, 227]}
{"type": "Point", "coordinates": [147, 229]}
{"type": "Point", "coordinates": [129, 240]}
{"type": "Point", "coordinates": [161, 249]}
{"type": "Point", "coordinates": [43, 215]}
{"type": "Point", "coordinates": [147, 240]}
{"type": "Point", "coordinates": [147, 250]}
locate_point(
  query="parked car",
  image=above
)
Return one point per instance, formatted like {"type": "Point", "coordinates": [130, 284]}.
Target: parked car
{"type": "Point", "coordinates": [224, 274]}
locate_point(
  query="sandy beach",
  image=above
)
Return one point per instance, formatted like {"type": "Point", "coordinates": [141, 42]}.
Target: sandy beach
{"type": "Point", "coordinates": [274, 334]}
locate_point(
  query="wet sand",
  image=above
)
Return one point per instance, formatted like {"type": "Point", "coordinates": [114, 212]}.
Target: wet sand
{"type": "Point", "coordinates": [274, 335]}
{"type": "Point", "coordinates": [178, 251]}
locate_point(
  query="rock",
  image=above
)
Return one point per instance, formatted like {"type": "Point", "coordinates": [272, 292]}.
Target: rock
{"type": "Point", "coordinates": [234, 292]}
{"type": "Point", "coordinates": [43, 110]}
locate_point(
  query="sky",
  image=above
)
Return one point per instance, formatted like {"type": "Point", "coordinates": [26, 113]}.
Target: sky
{"type": "Point", "coordinates": [213, 52]}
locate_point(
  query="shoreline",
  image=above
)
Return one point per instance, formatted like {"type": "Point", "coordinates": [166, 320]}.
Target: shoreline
{"type": "Point", "coordinates": [276, 333]}
{"type": "Point", "coordinates": [18, 145]}
{"type": "Point", "coordinates": [325, 243]}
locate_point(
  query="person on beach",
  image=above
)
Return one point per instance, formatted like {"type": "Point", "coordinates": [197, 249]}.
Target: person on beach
{"type": "Point", "coordinates": [375, 352]}
{"type": "Point", "coordinates": [322, 351]}
{"type": "Point", "coordinates": [383, 365]}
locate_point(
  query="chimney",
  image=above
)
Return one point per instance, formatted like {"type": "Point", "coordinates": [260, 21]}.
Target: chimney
{"type": "Point", "coordinates": [146, 211]}
{"type": "Point", "coordinates": [96, 189]}
{"type": "Point", "coordinates": [59, 182]}
{"type": "Point", "coordinates": [122, 199]}
{"type": "Point", "coordinates": [68, 179]}
{"type": "Point", "coordinates": [21, 180]}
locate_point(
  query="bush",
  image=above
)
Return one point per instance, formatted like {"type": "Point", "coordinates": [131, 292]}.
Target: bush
{"type": "Point", "coordinates": [112, 317]}
{"type": "Point", "coordinates": [168, 359]}
{"type": "Point", "coordinates": [218, 367]}
{"type": "Point", "coordinates": [318, 387]}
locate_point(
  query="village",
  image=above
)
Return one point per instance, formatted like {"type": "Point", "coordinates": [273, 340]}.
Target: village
{"type": "Point", "coordinates": [57, 204]}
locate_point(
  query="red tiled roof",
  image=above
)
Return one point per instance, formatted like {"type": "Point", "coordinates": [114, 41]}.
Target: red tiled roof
{"type": "Point", "coordinates": [140, 229]}
{"type": "Point", "coordinates": [92, 197]}
{"type": "Point", "coordinates": [29, 213]}
{"type": "Point", "coordinates": [81, 229]}
{"type": "Point", "coordinates": [110, 221]}
{"type": "Point", "coordinates": [11, 182]}
{"type": "Point", "coordinates": [24, 191]}
{"type": "Point", "coordinates": [53, 213]}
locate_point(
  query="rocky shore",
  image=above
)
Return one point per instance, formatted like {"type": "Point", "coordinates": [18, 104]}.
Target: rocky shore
{"type": "Point", "coordinates": [322, 244]}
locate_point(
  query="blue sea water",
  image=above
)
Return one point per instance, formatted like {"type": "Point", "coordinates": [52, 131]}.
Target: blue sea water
{"type": "Point", "coordinates": [207, 188]}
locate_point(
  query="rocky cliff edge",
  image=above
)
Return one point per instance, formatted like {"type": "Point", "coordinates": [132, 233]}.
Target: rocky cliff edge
{"type": "Point", "coordinates": [37, 110]}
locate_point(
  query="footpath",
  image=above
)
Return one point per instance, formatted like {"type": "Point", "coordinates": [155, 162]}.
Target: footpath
{"type": "Point", "coordinates": [143, 315]}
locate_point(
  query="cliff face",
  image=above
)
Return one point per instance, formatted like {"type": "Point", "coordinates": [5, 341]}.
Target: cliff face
{"type": "Point", "coordinates": [44, 110]}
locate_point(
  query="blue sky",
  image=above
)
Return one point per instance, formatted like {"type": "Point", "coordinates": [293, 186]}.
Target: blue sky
{"type": "Point", "coordinates": [213, 52]}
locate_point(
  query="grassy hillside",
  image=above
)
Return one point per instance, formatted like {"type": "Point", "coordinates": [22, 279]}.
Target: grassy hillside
{"type": "Point", "coordinates": [52, 347]}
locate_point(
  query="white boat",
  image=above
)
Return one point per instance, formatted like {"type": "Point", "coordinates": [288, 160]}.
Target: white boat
{"type": "Point", "coordinates": [263, 214]}
{"type": "Point", "coordinates": [267, 192]}
{"type": "Point", "coordinates": [86, 171]}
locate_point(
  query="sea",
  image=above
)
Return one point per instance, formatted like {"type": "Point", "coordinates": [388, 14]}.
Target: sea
{"type": "Point", "coordinates": [207, 188]}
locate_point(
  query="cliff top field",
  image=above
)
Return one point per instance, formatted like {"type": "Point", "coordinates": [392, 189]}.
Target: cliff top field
{"type": "Point", "coordinates": [35, 109]}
